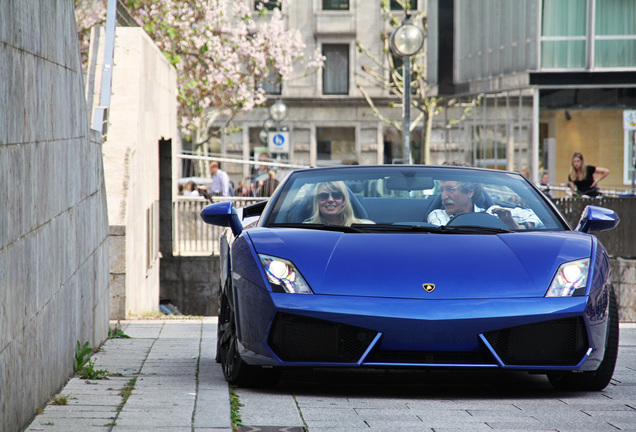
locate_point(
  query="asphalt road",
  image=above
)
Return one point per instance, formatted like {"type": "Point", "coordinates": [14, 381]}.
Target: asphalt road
{"type": "Point", "coordinates": [441, 401]}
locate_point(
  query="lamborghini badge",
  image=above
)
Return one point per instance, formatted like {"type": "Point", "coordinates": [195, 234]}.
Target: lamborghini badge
{"type": "Point", "coordinates": [428, 287]}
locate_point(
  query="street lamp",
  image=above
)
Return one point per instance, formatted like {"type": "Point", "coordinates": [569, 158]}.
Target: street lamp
{"type": "Point", "coordinates": [405, 41]}
{"type": "Point", "coordinates": [272, 134]}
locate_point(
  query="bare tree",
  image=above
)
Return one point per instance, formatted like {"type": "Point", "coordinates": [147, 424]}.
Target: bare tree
{"type": "Point", "coordinates": [385, 74]}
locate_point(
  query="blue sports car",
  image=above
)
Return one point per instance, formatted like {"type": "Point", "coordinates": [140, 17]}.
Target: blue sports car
{"type": "Point", "coordinates": [407, 266]}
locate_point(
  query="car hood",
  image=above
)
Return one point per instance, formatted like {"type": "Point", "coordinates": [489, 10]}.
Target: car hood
{"type": "Point", "coordinates": [398, 265]}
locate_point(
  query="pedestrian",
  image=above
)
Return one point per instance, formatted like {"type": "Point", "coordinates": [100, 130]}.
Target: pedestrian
{"type": "Point", "coordinates": [269, 185]}
{"type": "Point", "coordinates": [220, 185]}
{"type": "Point", "coordinates": [544, 185]}
{"type": "Point", "coordinates": [582, 178]}
{"type": "Point", "coordinates": [191, 189]}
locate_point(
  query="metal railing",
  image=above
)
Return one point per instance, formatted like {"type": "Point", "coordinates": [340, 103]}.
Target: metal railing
{"type": "Point", "coordinates": [191, 236]}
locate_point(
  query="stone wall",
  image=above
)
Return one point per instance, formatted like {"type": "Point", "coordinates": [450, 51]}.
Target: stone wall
{"type": "Point", "coordinates": [54, 223]}
{"type": "Point", "coordinates": [191, 283]}
{"type": "Point", "coordinates": [624, 278]}
{"type": "Point", "coordinates": [143, 112]}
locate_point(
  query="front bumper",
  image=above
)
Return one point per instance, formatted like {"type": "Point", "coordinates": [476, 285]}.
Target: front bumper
{"type": "Point", "coordinates": [341, 331]}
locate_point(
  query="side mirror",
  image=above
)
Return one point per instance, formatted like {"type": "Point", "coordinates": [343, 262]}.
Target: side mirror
{"type": "Point", "coordinates": [222, 214]}
{"type": "Point", "coordinates": [596, 218]}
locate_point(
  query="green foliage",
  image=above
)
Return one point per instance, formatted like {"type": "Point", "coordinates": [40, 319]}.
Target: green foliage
{"type": "Point", "coordinates": [235, 406]}
{"type": "Point", "coordinates": [82, 356]}
{"type": "Point", "coordinates": [117, 333]}
{"type": "Point", "coordinates": [83, 365]}
{"type": "Point", "coordinates": [60, 400]}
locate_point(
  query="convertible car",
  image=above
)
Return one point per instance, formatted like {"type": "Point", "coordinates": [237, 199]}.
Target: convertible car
{"type": "Point", "coordinates": [407, 266]}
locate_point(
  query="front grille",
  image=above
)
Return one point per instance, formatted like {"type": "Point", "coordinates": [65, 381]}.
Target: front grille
{"type": "Point", "coordinates": [430, 357]}
{"type": "Point", "coordinates": [296, 338]}
{"type": "Point", "coordinates": [560, 342]}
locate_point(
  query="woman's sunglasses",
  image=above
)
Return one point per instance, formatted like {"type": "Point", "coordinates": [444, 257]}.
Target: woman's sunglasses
{"type": "Point", "coordinates": [324, 196]}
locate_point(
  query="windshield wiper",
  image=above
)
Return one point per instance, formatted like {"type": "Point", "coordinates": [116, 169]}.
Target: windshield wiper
{"type": "Point", "coordinates": [324, 227]}
{"type": "Point", "coordinates": [472, 229]}
{"type": "Point", "coordinates": [396, 227]}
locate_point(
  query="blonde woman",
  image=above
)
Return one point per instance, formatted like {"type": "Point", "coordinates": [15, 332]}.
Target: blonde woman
{"type": "Point", "coordinates": [333, 207]}
{"type": "Point", "coordinates": [582, 177]}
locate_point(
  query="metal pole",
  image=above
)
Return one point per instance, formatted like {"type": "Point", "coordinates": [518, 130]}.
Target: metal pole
{"type": "Point", "coordinates": [407, 109]}
{"type": "Point", "coordinates": [101, 113]}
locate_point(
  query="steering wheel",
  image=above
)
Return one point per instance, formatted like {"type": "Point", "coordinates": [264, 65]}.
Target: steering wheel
{"type": "Point", "coordinates": [481, 219]}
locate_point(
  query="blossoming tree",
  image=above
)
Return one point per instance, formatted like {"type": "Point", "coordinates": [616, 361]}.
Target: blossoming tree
{"type": "Point", "coordinates": [223, 50]}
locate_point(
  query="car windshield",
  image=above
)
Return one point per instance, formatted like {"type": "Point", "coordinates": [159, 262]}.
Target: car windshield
{"type": "Point", "coordinates": [410, 198]}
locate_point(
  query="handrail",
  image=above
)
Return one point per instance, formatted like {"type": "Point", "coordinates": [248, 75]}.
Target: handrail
{"type": "Point", "coordinates": [193, 237]}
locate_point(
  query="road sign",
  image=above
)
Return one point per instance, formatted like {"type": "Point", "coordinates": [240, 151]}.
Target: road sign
{"type": "Point", "coordinates": [278, 142]}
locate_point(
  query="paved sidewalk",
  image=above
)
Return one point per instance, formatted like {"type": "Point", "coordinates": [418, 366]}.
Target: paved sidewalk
{"type": "Point", "coordinates": [176, 384]}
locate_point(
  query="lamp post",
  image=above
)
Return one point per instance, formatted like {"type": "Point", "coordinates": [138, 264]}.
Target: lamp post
{"type": "Point", "coordinates": [275, 137]}
{"type": "Point", "coordinates": [405, 41]}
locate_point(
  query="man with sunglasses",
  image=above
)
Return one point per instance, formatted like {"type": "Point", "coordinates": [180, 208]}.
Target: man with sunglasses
{"type": "Point", "coordinates": [460, 197]}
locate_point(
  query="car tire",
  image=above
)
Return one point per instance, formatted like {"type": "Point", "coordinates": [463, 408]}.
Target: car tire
{"type": "Point", "coordinates": [599, 379]}
{"type": "Point", "coordinates": [235, 370]}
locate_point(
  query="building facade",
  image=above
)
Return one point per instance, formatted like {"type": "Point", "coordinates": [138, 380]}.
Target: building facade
{"type": "Point", "coordinates": [328, 119]}
{"type": "Point", "coordinates": [553, 78]}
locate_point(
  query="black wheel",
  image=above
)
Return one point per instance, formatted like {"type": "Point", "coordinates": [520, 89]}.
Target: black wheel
{"type": "Point", "coordinates": [599, 379]}
{"type": "Point", "coordinates": [235, 370]}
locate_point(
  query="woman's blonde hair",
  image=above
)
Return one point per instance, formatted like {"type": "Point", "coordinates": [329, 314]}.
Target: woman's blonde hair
{"type": "Point", "coordinates": [574, 173]}
{"type": "Point", "coordinates": [346, 216]}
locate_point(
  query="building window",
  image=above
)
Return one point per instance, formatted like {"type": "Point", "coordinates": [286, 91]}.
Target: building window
{"type": "Point", "coordinates": [335, 4]}
{"type": "Point", "coordinates": [336, 145]}
{"type": "Point", "coordinates": [335, 74]}
{"type": "Point", "coordinates": [395, 5]}
{"type": "Point", "coordinates": [270, 5]}
{"type": "Point", "coordinates": [272, 84]}
{"type": "Point", "coordinates": [584, 34]}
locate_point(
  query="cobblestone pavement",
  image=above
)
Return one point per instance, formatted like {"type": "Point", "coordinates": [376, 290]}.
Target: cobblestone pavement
{"type": "Point", "coordinates": [339, 401]}
{"type": "Point", "coordinates": [167, 380]}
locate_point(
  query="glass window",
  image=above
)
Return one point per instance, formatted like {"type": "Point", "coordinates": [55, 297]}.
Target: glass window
{"type": "Point", "coordinates": [563, 34]}
{"type": "Point", "coordinates": [336, 145]}
{"type": "Point", "coordinates": [270, 5]}
{"type": "Point", "coordinates": [335, 74]}
{"type": "Point", "coordinates": [335, 4]}
{"type": "Point", "coordinates": [399, 197]}
{"type": "Point", "coordinates": [615, 33]}
{"type": "Point", "coordinates": [272, 84]}
{"type": "Point", "coordinates": [566, 41]}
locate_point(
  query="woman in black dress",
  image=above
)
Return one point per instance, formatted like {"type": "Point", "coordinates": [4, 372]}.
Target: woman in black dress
{"type": "Point", "coordinates": [581, 177]}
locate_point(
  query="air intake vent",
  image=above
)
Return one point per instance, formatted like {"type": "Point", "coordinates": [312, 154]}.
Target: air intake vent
{"type": "Point", "coordinates": [296, 338]}
{"type": "Point", "coordinates": [560, 342]}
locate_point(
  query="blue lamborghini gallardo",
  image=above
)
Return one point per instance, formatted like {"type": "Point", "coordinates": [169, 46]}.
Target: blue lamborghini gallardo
{"type": "Point", "coordinates": [407, 266]}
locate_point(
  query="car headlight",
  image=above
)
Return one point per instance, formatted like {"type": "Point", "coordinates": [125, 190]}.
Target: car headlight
{"type": "Point", "coordinates": [283, 276]}
{"type": "Point", "coordinates": [570, 279]}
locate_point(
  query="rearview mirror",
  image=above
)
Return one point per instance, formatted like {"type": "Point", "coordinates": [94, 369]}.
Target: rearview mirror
{"type": "Point", "coordinates": [409, 183]}
{"type": "Point", "coordinates": [594, 219]}
{"type": "Point", "coordinates": [222, 214]}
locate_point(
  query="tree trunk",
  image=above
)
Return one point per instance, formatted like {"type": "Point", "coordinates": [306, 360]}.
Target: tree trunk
{"type": "Point", "coordinates": [425, 153]}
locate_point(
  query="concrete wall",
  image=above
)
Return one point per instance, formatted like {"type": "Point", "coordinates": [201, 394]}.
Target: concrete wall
{"type": "Point", "coordinates": [624, 278]}
{"type": "Point", "coordinates": [143, 111]}
{"type": "Point", "coordinates": [191, 283]}
{"type": "Point", "coordinates": [54, 226]}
